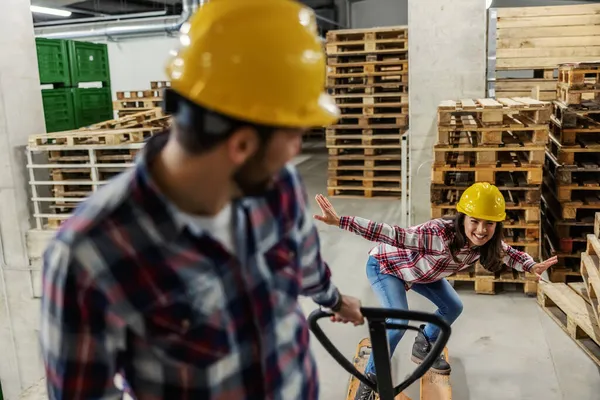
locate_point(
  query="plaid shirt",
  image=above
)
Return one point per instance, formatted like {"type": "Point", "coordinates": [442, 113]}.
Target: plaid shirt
{"type": "Point", "coordinates": [128, 288]}
{"type": "Point", "coordinates": [421, 254]}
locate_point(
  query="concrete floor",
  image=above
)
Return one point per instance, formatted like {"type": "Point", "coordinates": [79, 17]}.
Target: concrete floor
{"type": "Point", "coordinates": [503, 346]}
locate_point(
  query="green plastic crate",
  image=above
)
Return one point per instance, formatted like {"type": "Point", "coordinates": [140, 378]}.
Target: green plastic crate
{"type": "Point", "coordinates": [88, 62]}
{"type": "Point", "coordinates": [92, 105]}
{"type": "Point", "coordinates": [53, 61]}
{"type": "Point", "coordinates": [59, 110]}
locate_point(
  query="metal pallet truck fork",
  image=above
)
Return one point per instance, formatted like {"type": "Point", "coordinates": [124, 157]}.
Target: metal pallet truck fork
{"type": "Point", "coordinates": [376, 320]}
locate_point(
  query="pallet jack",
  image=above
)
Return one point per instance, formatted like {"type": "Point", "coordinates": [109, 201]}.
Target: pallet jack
{"type": "Point", "coordinates": [433, 386]}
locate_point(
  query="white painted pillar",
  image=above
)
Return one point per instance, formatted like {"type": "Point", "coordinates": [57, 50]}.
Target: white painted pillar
{"type": "Point", "coordinates": [21, 114]}
{"type": "Point", "coordinates": [447, 56]}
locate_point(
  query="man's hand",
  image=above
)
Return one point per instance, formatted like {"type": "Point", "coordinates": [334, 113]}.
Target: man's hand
{"type": "Point", "coordinates": [329, 216]}
{"type": "Point", "coordinates": [349, 312]}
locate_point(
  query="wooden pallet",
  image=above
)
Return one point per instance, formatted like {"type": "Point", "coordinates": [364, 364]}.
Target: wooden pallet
{"type": "Point", "coordinates": [460, 135]}
{"type": "Point", "coordinates": [390, 32]}
{"type": "Point", "coordinates": [590, 273]}
{"type": "Point", "coordinates": [379, 99]}
{"type": "Point", "coordinates": [573, 314]}
{"type": "Point", "coordinates": [97, 137]}
{"type": "Point", "coordinates": [585, 127]}
{"type": "Point", "coordinates": [522, 87]}
{"type": "Point", "coordinates": [490, 284]}
{"type": "Point", "coordinates": [367, 67]}
{"type": "Point", "coordinates": [578, 82]}
{"type": "Point", "coordinates": [491, 112]}
{"type": "Point", "coordinates": [579, 75]}
{"type": "Point", "coordinates": [152, 118]}
{"type": "Point", "coordinates": [355, 191]}
{"type": "Point", "coordinates": [138, 104]}
{"type": "Point", "coordinates": [375, 120]}
{"type": "Point", "coordinates": [360, 163]}
{"type": "Point", "coordinates": [570, 96]}
{"type": "Point", "coordinates": [572, 155]}
{"type": "Point", "coordinates": [536, 40]}
{"type": "Point", "coordinates": [452, 175]}
{"type": "Point", "coordinates": [372, 89]}
{"type": "Point", "coordinates": [432, 386]}
{"type": "Point", "coordinates": [389, 150]}
{"type": "Point", "coordinates": [367, 79]}
{"type": "Point", "coordinates": [514, 154]}
{"type": "Point", "coordinates": [568, 116]}
{"type": "Point", "coordinates": [160, 84]}
{"type": "Point", "coordinates": [357, 130]}
{"type": "Point", "coordinates": [69, 174]}
{"type": "Point", "coordinates": [139, 94]}
{"type": "Point", "coordinates": [351, 141]}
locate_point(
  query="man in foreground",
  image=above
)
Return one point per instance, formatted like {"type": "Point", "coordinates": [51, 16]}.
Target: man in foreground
{"type": "Point", "coordinates": [183, 273]}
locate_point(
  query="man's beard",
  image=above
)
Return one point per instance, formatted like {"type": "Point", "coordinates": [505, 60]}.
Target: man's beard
{"type": "Point", "coordinates": [246, 178]}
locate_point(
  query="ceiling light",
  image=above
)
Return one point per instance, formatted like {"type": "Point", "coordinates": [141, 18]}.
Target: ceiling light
{"type": "Point", "coordinates": [50, 11]}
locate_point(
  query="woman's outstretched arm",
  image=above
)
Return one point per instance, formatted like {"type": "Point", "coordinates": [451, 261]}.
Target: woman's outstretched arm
{"type": "Point", "coordinates": [425, 237]}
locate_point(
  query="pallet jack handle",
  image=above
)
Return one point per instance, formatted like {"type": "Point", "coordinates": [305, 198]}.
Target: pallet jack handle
{"type": "Point", "coordinates": [376, 319]}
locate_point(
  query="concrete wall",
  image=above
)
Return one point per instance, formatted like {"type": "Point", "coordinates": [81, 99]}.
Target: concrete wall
{"type": "Point", "coordinates": [371, 13]}
{"type": "Point", "coordinates": [21, 115]}
{"type": "Point", "coordinates": [447, 61]}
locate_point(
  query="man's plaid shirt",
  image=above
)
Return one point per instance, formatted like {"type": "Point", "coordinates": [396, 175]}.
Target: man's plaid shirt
{"type": "Point", "coordinates": [421, 254]}
{"type": "Point", "coordinates": [128, 288]}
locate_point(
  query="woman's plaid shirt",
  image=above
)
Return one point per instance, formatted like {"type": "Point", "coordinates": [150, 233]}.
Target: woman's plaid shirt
{"type": "Point", "coordinates": [421, 254]}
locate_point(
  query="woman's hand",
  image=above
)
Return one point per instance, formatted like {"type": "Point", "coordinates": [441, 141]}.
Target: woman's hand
{"type": "Point", "coordinates": [544, 265]}
{"type": "Point", "coordinates": [329, 215]}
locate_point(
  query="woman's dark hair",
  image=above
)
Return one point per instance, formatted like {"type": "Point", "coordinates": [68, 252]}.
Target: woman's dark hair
{"type": "Point", "coordinates": [492, 253]}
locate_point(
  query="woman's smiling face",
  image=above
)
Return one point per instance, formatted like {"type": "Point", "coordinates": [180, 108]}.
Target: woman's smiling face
{"type": "Point", "coordinates": [479, 232]}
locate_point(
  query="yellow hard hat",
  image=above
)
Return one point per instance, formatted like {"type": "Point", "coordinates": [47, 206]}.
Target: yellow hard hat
{"type": "Point", "coordinates": [260, 61]}
{"type": "Point", "coordinates": [482, 200]}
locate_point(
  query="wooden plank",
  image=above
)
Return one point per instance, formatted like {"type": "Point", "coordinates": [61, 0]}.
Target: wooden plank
{"type": "Point", "coordinates": [468, 104]}
{"type": "Point", "coordinates": [489, 103]}
{"type": "Point", "coordinates": [548, 20]}
{"type": "Point", "coordinates": [447, 104]}
{"type": "Point", "coordinates": [436, 386]}
{"type": "Point", "coordinates": [580, 321]}
{"type": "Point", "coordinates": [536, 63]}
{"type": "Point", "coordinates": [515, 84]}
{"type": "Point", "coordinates": [361, 358]}
{"type": "Point", "coordinates": [559, 31]}
{"type": "Point", "coordinates": [580, 289]}
{"type": "Point", "coordinates": [554, 42]}
{"type": "Point", "coordinates": [512, 12]}
{"type": "Point", "coordinates": [557, 52]}
{"type": "Point", "coordinates": [509, 102]}
{"type": "Point", "coordinates": [591, 275]}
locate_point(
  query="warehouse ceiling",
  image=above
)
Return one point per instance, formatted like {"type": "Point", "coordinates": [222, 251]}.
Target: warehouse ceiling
{"type": "Point", "coordinates": [110, 8]}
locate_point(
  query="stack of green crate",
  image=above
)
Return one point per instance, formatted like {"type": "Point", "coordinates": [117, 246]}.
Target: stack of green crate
{"type": "Point", "coordinates": [65, 64]}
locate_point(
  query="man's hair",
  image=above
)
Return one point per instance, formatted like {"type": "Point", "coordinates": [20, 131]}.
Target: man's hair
{"type": "Point", "coordinates": [199, 129]}
{"type": "Point", "coordinates": [491, 253]}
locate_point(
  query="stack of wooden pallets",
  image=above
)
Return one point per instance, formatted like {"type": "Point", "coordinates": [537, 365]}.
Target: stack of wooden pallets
{"type": "Point", "coordinates": [501, 142]}
{"type": "Point", "coordinates": [532, 41]}
{"type": "Point", "coordinates": [135, 101]}
{"type": "Point", "coordinates": [572, 180]}
{"type": "Point", "coordinates": [66, 167]}
{"type": "Point", "coordinates": [574, 306]}
{"type": "Point", "coordinates": [368, 76]}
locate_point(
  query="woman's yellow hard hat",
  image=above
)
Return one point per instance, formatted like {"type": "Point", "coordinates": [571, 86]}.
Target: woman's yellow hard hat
{"type": "Point", "coordinates": [260, 61]}
{"type": "Point", "coordinates": [483, 201]}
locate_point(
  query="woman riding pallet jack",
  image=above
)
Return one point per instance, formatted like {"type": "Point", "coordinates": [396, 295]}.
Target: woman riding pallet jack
{"type": "Point", "coordinates": [420, 257]}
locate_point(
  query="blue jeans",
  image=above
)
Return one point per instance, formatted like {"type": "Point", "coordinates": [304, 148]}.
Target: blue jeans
{"type": "Point", "coordinates": [392, 294]}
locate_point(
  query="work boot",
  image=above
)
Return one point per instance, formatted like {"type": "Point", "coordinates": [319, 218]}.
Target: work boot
{"type": "Point", "coordinates": [421, 349]}
{"type": "Point", "coordinates": [364, 392]}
